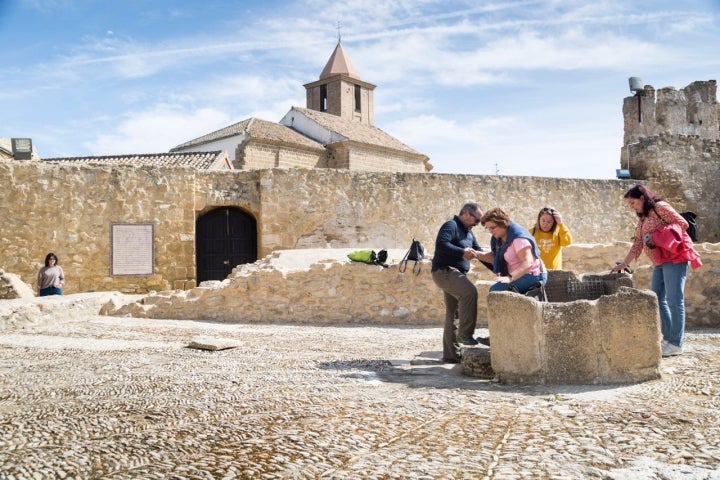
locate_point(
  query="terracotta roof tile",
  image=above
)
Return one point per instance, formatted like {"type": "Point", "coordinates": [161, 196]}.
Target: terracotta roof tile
{"type": "Point", "coordinates": [277, 132]}
{"type": "Point", "coordinates": [356, 131]}
{"type": "Point", "coordinates": [339, 64]}
{"type": "Point", "coordinates": [258, 129]}
{"type": "Point", "coordinates": [229, 131]}
{"type": "Point", "coordinates": [197, 160]}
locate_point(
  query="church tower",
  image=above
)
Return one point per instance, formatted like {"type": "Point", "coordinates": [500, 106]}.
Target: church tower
{"type": "Point", "coordinates": [341, 92]}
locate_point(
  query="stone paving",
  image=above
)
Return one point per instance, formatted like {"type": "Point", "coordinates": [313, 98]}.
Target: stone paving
{"type": "Point", "coordinates": [121, 398]}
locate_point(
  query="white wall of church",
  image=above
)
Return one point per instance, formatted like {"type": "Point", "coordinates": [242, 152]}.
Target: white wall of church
{"type": "Point", "coordinates": [299, 122]}
{"type": "Point", "coordinates": [228, 144]}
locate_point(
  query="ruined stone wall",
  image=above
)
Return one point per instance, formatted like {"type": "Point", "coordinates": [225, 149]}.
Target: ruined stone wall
{"type": "Point", "coordinates": [11, 286]}
{"type": "Point", "coordinates": [326, 288]}
{"type": "Point", "coordinates": [692, 110]}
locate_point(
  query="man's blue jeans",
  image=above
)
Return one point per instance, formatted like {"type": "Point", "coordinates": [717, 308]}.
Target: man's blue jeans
{"type": "Point", "coordinates": [668, 283]}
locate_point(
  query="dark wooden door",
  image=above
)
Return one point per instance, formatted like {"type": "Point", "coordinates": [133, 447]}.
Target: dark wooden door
{"type": "Point", "coordinates": [225, 238]}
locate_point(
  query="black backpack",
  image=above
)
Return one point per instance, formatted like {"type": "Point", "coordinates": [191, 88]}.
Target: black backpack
{"type": "Point", "coordinates": [367, 255]}
{"type": "Point", "coordinates": [692, 224]}
{"type": "Point", "coordinates": [416, 252]}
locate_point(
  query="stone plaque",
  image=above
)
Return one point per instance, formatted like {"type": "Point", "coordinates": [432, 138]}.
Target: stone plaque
{"type": "Point", "coordinates": [132, 248]}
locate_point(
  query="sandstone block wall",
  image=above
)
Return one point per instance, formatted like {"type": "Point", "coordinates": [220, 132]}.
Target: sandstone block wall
{"type": "Point", "coordinates": [376, 161]}
{"type": "Point", "coordinates": [69, 210]}
{"type": "Point", "coordinates": [692, 110]}
{"type": "Point", "coordinates": [685, 170]}
{"type": "Point", "coordinates": [257, 155]}
{"type": "Point", "coordinates": [672, 144]}
{"type": "Point", "coordinates": [335, 209]}
{"type": "Point", "coordinates": [321, 287]}
{"type": "Point", "coordinates": [614, 339]}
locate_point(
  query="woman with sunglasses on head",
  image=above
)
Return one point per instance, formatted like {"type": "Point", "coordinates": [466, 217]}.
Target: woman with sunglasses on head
{"type": "Point", "coordinates": [657, 220]}
{"type": "Point", "coordinates": [551, 235]}
{"type": "Point", "coordinates": [515, 254]}
{"type": "Point", "coordinates": [50, 277]}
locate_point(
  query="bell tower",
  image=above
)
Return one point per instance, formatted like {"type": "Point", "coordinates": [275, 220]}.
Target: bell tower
{"type": "Point", "coordinates": [340, 91]}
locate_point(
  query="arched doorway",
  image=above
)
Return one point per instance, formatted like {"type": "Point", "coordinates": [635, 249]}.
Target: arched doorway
{"type": "Point", "coordinates": [224, 238]}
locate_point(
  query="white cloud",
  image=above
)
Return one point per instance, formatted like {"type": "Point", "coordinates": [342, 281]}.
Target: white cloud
{"type": "Point", "coordinates": [157, 130]}
{"type": "Point", "coordinates": [469, 83]}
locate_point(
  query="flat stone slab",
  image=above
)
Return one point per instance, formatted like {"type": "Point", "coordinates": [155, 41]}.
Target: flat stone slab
{"type": "Point", "coordinates": [213, 344]}
{"type": "Point", "coordinates": [427, 358]}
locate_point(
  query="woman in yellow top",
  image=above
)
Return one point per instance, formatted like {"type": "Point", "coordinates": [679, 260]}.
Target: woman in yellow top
{"type": "Point", "coordinates": [551, 235]}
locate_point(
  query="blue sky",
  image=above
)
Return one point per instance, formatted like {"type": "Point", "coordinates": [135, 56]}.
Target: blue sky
{"type": "Point", "coordinates": [481, 87]}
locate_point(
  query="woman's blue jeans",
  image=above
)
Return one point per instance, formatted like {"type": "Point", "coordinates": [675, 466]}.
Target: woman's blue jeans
{"type": "Point", "coordinates": [50, 291]}
{"type": "Point", "coordinates": [668, 283]}
{"type": "Point", "coordinates": [522, 284]}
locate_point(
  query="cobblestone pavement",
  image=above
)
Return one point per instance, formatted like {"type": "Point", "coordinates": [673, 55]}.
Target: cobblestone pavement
{"type": "Point", "coordinates": [122, 398]}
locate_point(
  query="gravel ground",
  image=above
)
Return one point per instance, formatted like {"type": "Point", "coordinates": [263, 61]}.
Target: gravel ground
{"type": "Point", "coordinates": [122, 398]}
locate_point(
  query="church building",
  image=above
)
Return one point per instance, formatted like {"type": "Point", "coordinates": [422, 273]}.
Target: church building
{"type": "Point", "coordinates": [335, 130]}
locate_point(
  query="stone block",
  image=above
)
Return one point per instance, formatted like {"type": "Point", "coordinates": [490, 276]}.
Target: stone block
{"type": "Point", "coordinates": [613, 339]}
{"type": "Point", "coordinates": [12, 286]}
{"type": "Point", "coordinates": [476, 362]}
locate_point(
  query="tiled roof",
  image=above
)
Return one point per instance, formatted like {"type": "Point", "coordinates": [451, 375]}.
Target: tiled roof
{"type": "Point", "coordinates": [277, 132]}
{"type": "Point", "coordinates": [339, 64]}
{"type": "Point", "coordinates": [232, 130]}
{"type": "Point", "coordinates": [258, 129]}
{"type": "Point", "coordinates": [356, 131]}
{"type": "Point", "coordinates": [197, 160]}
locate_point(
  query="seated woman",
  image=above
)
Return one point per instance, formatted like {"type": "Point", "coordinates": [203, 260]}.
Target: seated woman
{"type": "Point", "coordinates": [514, 254]}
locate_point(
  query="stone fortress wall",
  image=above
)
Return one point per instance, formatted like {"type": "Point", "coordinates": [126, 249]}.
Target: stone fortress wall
{"type": "Point", "coordinates": [672, 143]}
{"type": "Point", "coordinates": [69, 210]}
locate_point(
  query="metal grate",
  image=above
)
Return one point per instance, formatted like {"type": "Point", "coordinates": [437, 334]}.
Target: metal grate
{"type": "Point", "coordinates": [588, 289]}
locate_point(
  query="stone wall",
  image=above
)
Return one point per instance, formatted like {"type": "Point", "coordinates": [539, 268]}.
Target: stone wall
{"type": "Point", "coordinates": [686, 171]}
{"type": "Point", "coordinates": [324, 287]}
{"type": "Point", "coordinates": [672, 144]}
{"type": "Point", "coordinates": [692, 110]}
{"type": "Point", "coordinates": [614, 339]}
{"type": "Point", "coordinates": [258, 155]}
{"type": "Point", "coordinates": [377, 161]}
{"type": "Point", "coordinates": [335, 209]}
{"type": "Point", "coordinates": [69, 210]}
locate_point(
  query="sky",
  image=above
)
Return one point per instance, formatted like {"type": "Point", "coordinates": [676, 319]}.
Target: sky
{"type": "Point", "coordinates": [525, 87]}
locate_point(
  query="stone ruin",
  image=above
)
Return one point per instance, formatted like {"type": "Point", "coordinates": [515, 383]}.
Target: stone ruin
{"type": "Point", "coordinates": [12, 286]}
{"type": "Point", "coordinates": [594, 329]}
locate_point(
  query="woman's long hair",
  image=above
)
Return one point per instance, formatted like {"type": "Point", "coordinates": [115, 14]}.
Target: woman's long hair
{"type": "Point", "coordinates": [651, 198]}
{"type": "Point", "coordinates": [48, 257]}
{"type": "Point", "coordinates": [550, 211]}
